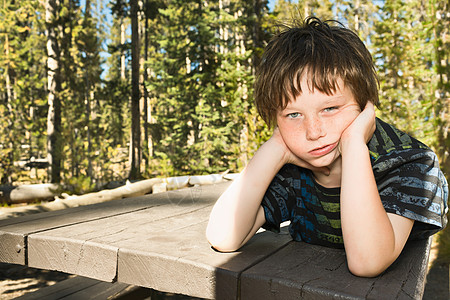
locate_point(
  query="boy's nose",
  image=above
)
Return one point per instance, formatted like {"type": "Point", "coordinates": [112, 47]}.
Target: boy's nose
{"type": "Point", "coordinates": [314, 129]}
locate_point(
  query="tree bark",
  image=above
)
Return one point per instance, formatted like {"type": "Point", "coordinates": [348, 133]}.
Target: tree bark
{"type": "Point", "coordinates": [128, 190]}
{"type": "Point", "coordinates": [147, 106]}
{"type": "Point", "coordinates": [122, 54]}
{"type": "Point", "coordinates": [135, 145]}
{"type": "Point", "coordinates": [54, 87]}
{"type": "Point", "coordinates": [87, 16]}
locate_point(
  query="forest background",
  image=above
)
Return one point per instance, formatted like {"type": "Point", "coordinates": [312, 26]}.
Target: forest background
{"type": "Point", "coordinates": [165, 87]}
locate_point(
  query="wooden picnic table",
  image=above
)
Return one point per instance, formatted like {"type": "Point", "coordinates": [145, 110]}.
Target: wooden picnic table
{"type": "Point", "coordinates": [158, 241]}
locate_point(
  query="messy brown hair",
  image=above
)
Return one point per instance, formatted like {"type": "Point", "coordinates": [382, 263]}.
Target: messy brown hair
{"type": "Point", "coordinates": [326, 52]}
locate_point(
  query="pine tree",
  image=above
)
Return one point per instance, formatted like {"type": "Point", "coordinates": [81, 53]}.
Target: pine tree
{"type": "Point", "coordinates": [359, 15]}
{"type": "Point", "coordinates": [176, 80]}
{"type": "Point", "coordinates": [54, 88]}
{"type": "Point", "coordinates": [22, 96]}
{"type": "Point", "coordinates": [116, 93]}
{"type": "Point", "coordinates": [410, 56]}
{"type": "Point", "coordinates": [135, 143]}
{"type": "Point", "coordinates": [202, 80]}
{"type": "Point", "coordinates": [399, 61]}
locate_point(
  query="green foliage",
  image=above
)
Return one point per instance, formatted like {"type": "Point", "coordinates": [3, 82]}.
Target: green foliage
{"type": "Point", "coordinates": [198, 115]}
{"type": "Point", "coordinates": [79, 184]}
{"type": "Point", "coordinates": [21, 72]}
{"type": "Point", "coordinates": [202, 84]}
{"type": "Point", "coordinates": [412, 96]}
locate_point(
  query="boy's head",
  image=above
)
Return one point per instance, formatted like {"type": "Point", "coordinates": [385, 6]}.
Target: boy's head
{"type": "Point", "coordinates": [326, 53]}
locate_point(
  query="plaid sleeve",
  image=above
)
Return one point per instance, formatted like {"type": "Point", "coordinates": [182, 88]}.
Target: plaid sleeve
{"type": "Point", "coordinates": [411, 185]}
{"type": "Point", "coordinates": [278, 199]}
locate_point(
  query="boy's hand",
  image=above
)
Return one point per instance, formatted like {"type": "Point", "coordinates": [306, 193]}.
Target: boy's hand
{"type": "Point", "coordinates": [361, 129]}
{"type": "Point", "coordinates": [289, 157]}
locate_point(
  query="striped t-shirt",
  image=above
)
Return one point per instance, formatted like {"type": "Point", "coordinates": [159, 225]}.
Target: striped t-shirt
{"type": "Point", "coordinates": [409, 181]}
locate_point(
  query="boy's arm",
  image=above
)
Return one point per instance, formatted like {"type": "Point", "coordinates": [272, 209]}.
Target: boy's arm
{"type": "Point", "coordinates": [238, 213]}
{"type": "Point", "coordinates": [373, 239]}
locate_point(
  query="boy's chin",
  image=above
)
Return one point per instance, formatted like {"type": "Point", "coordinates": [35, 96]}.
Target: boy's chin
{"type": "Point", "coordinates": [326, 161]}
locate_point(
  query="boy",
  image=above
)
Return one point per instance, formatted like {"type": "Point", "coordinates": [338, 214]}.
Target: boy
{"type": "Point", "coordinates": [342, 177]}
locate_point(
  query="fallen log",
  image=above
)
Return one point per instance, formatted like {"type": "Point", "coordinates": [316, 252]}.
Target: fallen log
{"type": "Point", "coordinates": [126, 191]}
{"type": "Point", "coordinates": [64, 201]}
{"type": "Point", "coordinates": [135, 189]}
{"type": "Point", "coordinates": [179, 182]}
{"type": "Point", "coordinates": [27, 193]}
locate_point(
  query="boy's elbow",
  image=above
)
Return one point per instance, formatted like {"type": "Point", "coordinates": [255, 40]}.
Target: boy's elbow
{"type": "Point", "coordinates": [219, 243]}
{"type": "Point", "coordinates": [221, 246]}
{"type": "Point", "coordinates": [364, 271]}
{"type": "Point", "coordinates": [366, 268]}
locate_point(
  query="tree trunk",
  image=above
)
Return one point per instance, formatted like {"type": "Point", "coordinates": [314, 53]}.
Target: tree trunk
{"type": "Point", "coordinates": [87, 15]}
{"type": "Point", "coordinates": [147, 106]}
{"type": "Point", "coordinates": [135, 145]}
{"type": "Point", "coordinates": [129, 190]}
{"type": "Point", "coordinates": [54, 86]}
{"type": "Point", "coordinates": [122, 54]}
{"type": "Point", "coordinates": [356, 19]}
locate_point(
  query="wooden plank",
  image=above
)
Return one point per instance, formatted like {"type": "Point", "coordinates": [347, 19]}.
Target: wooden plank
{"type": "Point", "coordinates": [312, 272]}
{"type": "Point", "coordinates": [90, 248]}
{"type": "Point", "coordinates": [12, 248]}
{"type": "Point", "coordinates": [185, 263]}
{"type": "Point", "coordinates": [61, 289]}
{"type": "Point", "coordinates": [14, 232]}
{"type": "Point", "coordinates": [78, 257]}
{"type": "Point", "coordinates": [406, 277]}
{"type": "Point", "coordinates": [162, 247]}
{"type": "Point", "coordinates": [107, 290]}
{"type": "Point", "coordinates": [71, 249]}
{"type": "Point", "coordinates": [80, 288]}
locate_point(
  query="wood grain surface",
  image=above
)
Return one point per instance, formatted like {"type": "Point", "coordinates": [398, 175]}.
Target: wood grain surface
{"type": "Point", "coordinates": [158, 241]}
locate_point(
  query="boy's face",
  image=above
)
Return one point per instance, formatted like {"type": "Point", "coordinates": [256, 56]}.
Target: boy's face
{"type": "Point", "coordinates": [312, 124]}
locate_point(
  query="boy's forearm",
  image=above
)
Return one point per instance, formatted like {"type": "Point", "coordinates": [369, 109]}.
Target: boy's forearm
{"type": "Point", "coordinates": [369, 237]}
{"type": "Point", "coordinates": [235, 216]}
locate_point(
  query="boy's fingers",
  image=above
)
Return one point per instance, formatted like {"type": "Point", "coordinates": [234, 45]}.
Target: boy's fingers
{"type": "Point", "coordinates": [369, 109]}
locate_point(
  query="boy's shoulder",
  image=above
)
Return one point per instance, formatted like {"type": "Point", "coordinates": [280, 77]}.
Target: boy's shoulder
{"type": "Point", "coordinates": [387, 140]}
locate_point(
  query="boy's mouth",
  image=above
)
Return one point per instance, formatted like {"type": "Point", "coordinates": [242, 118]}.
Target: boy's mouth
{"type": "Point", "coordinates": [320, 151]}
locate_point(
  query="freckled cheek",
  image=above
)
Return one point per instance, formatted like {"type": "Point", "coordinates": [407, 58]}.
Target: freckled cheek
{"type": "Point", "coordinates": [331, 126]}
{"type": "Point", "coordinates": [292, 134]}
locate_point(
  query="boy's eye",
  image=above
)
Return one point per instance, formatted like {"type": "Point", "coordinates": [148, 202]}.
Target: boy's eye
{"type": "Point", "coordinates": [328, 109]}
{"type": "Point", "coordinates": [293, 115]}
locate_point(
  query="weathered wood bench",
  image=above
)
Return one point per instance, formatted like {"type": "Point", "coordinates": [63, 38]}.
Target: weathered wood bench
{"type": "Point", "coordinates": [158, 241]}
{"type": "Point", "coordinates": [87, 288]}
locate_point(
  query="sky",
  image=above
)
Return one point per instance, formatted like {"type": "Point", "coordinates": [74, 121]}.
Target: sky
{"type": "Point", "coordinates": [271, 4]}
